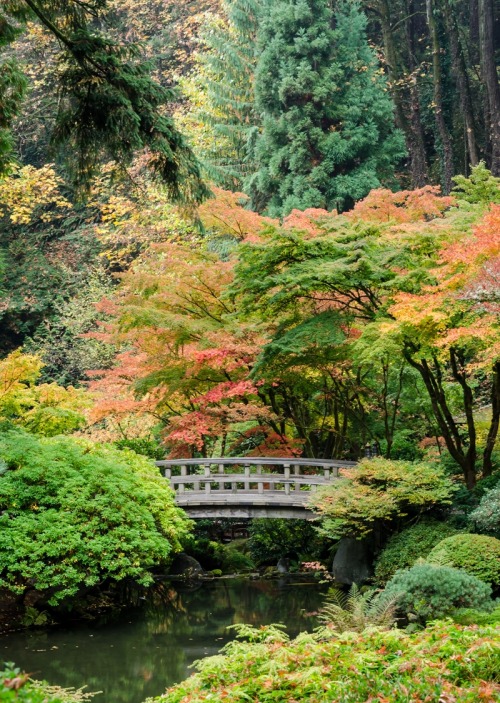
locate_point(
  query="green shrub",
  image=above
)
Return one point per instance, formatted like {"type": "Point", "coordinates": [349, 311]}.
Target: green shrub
{"type": "Point", "coordinates": [479, 555]}
{"type": "Point", "coordinates": [431, 665]}
{"type": "Point", "coordinates": [271, 539]}
{"type": "Point", "coordinates": [403, 549]}
{"type": "Point", "coordinates": [486, 517]}
{"type": "Point", "coordinates": [427, 592]}
{"type": "Point", "coordinates": [74, 515]}
{"type": "Point", "coordinates": [377, 492]}
{"type": "Point", "coordinates": [207, 551]}
{"type": "Point", "coordinates": [234, 561]}
{"type": "Point", "coordinates": [468, 616]}
{"type": "Point", "coordinates": [227, 558]}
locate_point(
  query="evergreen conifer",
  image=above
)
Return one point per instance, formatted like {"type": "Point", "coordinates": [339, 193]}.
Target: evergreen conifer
{"type": "Point", "coordinates": [221, 91]}
{"type": "Point", "coordinates": [328, 134]}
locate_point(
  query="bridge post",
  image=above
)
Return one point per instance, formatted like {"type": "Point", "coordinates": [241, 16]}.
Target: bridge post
{"type": "Point", "coordinates": [220, 472]}
{"type": "Point", "coordinates": [286, 468]}
{"type": "Point", "coordinates": [183, 473]}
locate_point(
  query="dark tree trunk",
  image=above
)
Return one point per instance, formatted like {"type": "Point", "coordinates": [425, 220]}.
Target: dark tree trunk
{"type": "Point", "coordinates": [419, 152]}
{"type": "Point", "coordinates": [410, 124]}
{"type": "Point", "coordinates": [462, 80]}
{"type": "Point", "coordinates": [444, 134]}
{"type": "Point", "coordinates": [495, 421]}
{"type": "Point", "coordinates": [465, 454]}
{"type": "Point", "coordinates": [490, 80]}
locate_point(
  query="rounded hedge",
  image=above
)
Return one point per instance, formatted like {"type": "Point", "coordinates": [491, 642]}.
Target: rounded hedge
{"type": "Point", "coordinates": [479, 555]}
{"type": "Point", "coordinates": [427, 592]}
{"type": "Point", "coordinates": [403, 549]}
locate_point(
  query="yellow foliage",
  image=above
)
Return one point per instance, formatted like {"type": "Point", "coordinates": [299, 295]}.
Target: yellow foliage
{"type": "Point", "coordinates": [29, 192]}
{"type": "Point", "coordinates": [46, 409]}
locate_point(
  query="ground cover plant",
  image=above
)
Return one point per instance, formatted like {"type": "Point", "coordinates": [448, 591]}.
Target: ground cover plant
{"type": "Point", "coordinates": [16, 685]}
{"type": "Point", "coordinates": [430, 665]}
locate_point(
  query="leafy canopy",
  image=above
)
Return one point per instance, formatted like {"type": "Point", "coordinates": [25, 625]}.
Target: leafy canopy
{"type": "Point", "coordinates": [45, 409]}
{"type": "Point", "coordinates": [379, 491]}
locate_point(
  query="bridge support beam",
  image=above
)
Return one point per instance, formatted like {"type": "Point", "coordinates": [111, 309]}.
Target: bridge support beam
{"type": "Point", "coordinates": [251, 511]}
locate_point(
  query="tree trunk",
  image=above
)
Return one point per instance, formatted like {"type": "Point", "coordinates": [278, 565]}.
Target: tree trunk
{"type": "Point", "coordinates": [411, 125]}
{"type": "Point", "coordinates": [432, 378]}
{"type": "Point", "coordinates": [490, 80]}
{"type": "Point", "coordinates": [495, 421]}
{"type": "Point", "coordinates": [442, 128]}
{"type": "Point", "coordinates": [462, 80]}
{"type": "Point", "coordinates": [420, 152]}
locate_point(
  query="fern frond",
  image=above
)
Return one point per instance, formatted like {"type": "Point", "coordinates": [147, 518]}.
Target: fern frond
{"type": "Point", "coordinates": [355, 611]}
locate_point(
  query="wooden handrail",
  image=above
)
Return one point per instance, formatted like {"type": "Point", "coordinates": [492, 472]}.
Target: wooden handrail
{"type": "Point", "coordinates": [256, 460]}
{"type": "Point", "coordinates": [207, 481]}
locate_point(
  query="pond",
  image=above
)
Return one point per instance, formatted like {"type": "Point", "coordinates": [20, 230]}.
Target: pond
{"type": "Point", "coordinates": [148, 649]}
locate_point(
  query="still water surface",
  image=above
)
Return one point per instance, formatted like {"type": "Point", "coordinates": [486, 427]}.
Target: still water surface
{"type": "Point", "coordinates": [147, 650]}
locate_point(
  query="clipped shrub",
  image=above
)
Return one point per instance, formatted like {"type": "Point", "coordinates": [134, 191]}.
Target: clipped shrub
{"type": "Point", "coordinates": [403, 549]}
{"type": "Point", "coordinates": [479, 555]}
{"type": "Point", "coordinates": [427, 592]}
{"type": "Point", "coordinates": [486, 517]}
{"type": "Point", "coordinates": [430, 665]}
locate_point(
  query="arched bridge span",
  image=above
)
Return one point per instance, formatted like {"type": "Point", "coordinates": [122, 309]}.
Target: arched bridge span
{"type": "Point", "coordinates": [247, 487]}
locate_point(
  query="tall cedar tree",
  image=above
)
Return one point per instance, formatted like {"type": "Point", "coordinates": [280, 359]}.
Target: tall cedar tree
{"type": "Point", "coordinates": [224, 77]}
{"type": "Point", "coordinates": [108, 103]}
{"type": "Point", "coordinates": [328, 134]}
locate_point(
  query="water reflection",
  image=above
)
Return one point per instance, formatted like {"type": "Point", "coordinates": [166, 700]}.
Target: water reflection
{"type": "Point", "coordinates": [149, 649]}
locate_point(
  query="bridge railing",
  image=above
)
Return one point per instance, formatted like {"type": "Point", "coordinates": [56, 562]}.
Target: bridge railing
{"type": "Point", "coordinates": [250, 475]}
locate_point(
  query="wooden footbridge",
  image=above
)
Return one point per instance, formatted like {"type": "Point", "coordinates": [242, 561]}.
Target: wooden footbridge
{"type": "Point", "coordinates": [250, 486]}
